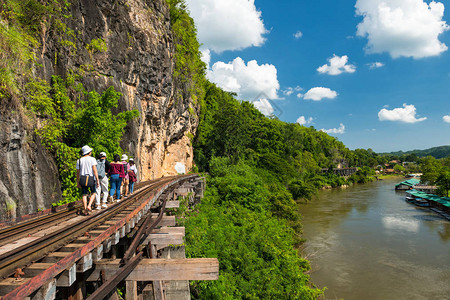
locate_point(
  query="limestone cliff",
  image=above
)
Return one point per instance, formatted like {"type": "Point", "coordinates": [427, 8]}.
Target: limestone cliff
{"type": "Point", "coordinates": [139, 63]}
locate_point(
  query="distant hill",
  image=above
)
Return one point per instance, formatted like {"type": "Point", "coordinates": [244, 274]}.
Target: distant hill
{"type": "Point", "coordinates": [437, 152]}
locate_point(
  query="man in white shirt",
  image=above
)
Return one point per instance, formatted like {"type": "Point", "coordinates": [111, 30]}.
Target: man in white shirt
{"type": "Point", "coordinates": [87, 167]}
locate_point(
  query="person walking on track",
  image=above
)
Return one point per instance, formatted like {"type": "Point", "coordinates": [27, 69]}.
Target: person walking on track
{"type": "Point", "coordinates": [87, 177]}
{"type": "Point", "coordinates": [132, 175]}
{"type": "Point", "coordinates": [103, 166]}
{"type": "Point", "coordinates": [117, 172]}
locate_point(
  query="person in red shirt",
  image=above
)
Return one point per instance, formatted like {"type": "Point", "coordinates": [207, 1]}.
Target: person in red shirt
{"type": "Point", "coordinates": [116, 172]}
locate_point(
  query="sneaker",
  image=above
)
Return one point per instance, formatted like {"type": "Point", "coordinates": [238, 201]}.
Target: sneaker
{"type": "Point", "coordinates": [104, 205]}
{"type": "Point", "coordinates": [98, 207]}
{"type": "Point", "coordinates": [118, 200]}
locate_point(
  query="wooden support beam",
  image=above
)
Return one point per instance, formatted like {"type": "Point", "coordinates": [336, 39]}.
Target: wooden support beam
{"type": "Point", "coordinates": [71, 247]}
{"type": "Point", "coordinates": [107, 246]}
{"type": "Point", "coordinates": [167, 221]}
{"type": "Point", "coordinates": [97, 254]}
{"type": "Point", "coordinates": [164, 239]}
{"type": "Point", "coordinates": [175, 230]}
{"type": "Point", "coordinates": [55, 257]}
{"type": "Point", "coordinates": [45, 292]}
{"type": "Point", "coordinates": [164, 269]}
{"type": "Point", "coordinates": [173, 204]}
{"type": "Point", "coordinates": [115, 238]}
{"type": "Point", "coordinates": [9, 284]}
{"type": "Point", "coordinates": [158, 290]}
{"type": "Point", "coordinates": [131, 289]}
{"type": "Point", "coordinates": [85, 263]}
{"type": "Point", "coordinates": [122, 232]}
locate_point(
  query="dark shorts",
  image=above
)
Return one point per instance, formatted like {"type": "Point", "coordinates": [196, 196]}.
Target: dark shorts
{"type": "Point", "coordinates": [87, 190]}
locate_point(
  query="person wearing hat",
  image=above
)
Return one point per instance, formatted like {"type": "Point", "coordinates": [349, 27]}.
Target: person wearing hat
{"type": "Point", "coordinates": [125, 179]}
{"type": "Point", "coordinates": [132, 175]}
{"type": "Point", "coordinates": [87, 169]}
{"type": "Point", "coordinates": [116, 173]}
{"type": "Point", "coordinates": [103, 166]}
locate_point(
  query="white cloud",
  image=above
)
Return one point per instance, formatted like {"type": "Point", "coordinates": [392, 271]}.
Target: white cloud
{"type": "Point", "coordinates": [263, 105]}
{"type": "Point", "coordinates": [375, 65]}
{"type": "Point", "coordinates": [298, 34]}
{"type": "Point", "coordinates": [446, 119]}
{"type": "Point", "coordinates": [206, 56]}
{"type": "Point", "coordinates": [402, 27]}
{"type": "Point", "coordinates": [303, 121]}
{"type": "Point", "coordinates": [290, 90]}
{"type": "Point", "coordinates": [318, 93]}
{"type": "Point", "coordinates": [227, 24]}
{"type": "Point", "coordinates": [339, 130]}
{"type": "Point", "coordinates": [407, 114]}
{"type": "Point", "coordinates": [247, 80]}
{"type": "Point", "coordinates": [299, 95]}
{"type": "Point", "coordinates": [337, 65]}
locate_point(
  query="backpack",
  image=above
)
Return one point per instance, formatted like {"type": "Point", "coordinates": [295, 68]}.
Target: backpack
{"type": "Point", "coordinates": [101, 167]}
{"type": "Point", "coordinates": [125, 167]}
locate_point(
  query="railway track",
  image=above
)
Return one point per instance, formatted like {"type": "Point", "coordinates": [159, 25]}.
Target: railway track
{"type": "Point", "coordinates": [89, 232]}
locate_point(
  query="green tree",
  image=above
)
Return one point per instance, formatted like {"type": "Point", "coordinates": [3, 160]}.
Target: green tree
{"type": "Point", "coordinates": [431, 168]}
{"type": "Point", "coordinates": [443, 182]}
{"type": "Point", "coordinates": [71, 122]}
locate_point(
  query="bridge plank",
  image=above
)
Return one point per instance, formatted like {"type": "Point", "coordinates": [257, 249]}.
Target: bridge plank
{"type": "Point", "coordinates": [167, 221]}
{"type": "Point", "coordinates": [163, 269]}
{"type": "Point", "coordinates": [165, 239]}
{"type": "Point", "coordinates": [173, 204]}
{"type": "Point", "coordinates": [9, 284]}
{"type": "Point", "coordinates": [165, 229]}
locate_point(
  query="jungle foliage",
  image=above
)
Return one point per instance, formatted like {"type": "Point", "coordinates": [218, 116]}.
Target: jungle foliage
{"type": "Point", "coordinates": [69, 116]}
{"type": "Point", "coordinates": [73, 117]}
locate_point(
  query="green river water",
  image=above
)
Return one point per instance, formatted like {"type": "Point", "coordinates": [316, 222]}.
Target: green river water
{"type": "Point", "coordinates": [366, 242]}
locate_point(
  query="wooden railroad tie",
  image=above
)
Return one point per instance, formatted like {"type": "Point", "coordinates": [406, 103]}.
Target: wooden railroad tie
{"type": "Point", "coordinates": [163, 269]}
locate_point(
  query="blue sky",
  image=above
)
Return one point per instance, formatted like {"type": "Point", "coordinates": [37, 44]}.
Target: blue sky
{"type": "Point", "coordinates": [326, 76]}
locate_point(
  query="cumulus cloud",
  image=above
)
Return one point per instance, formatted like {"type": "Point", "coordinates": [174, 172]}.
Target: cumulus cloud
{"type": "Point", "coordinates": [337, 65]}
{"type": "Point", "coordinates": [446, 119]}
{"type": "Point", "coordinates": [407, 28]}
{"type": "Point", "coordinates": [206, 56]}
{"type": "Point", "coordinates": [290, 90]}
{"type": "Point", "coordinates": [375, 65]}
{"type": "Point", "coordinates": [264, 106]}
{"type": "Point", "coordinates": [318, 93]}
{"type": "Point", "coordinates": [227, 24]}
{"type": "Point", "coordinates": [339, 130]}
{"type": "Point", "coordinates": [298, 34]}
{"type": "Point", "coordinates": [407, 114]}
{"type": "Point", "coordinates": [247, 80]}
{"type": "Point", "coordinates": [303, 121]}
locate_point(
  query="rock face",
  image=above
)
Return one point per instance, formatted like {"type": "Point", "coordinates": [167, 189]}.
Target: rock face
{"type": "Point", "coordinates": [139, 63]}
{"type": "Point", "coordinates": [28, 175]}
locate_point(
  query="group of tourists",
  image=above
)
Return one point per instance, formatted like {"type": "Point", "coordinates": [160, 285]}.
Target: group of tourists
{"type": "Point", "coordinates": [95, 175]}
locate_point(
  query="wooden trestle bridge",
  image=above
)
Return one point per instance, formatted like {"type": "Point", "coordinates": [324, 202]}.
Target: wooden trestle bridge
{"type": "Point", "coordinates": [132, 243]}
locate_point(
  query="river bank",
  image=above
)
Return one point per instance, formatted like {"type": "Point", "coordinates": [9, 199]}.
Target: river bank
{"type": "Point", "coordinates": [366, 242]}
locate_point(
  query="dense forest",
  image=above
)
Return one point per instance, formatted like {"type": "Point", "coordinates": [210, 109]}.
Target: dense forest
{"type": "Point", "coordinates": [436, 152]}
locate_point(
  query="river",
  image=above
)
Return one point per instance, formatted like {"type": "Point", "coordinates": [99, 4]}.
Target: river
{"type": "Point", "coordinates": [366, 242]}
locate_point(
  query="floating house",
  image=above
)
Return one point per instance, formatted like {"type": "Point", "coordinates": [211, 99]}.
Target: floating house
{"type": "Point", "coordinates": [437, 204]}
{"type": "Point", "coordinates": [407, 184]}
{"type": "Point", "coordinates": [429, 189]}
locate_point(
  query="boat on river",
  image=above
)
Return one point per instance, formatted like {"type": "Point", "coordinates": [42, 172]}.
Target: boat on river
{"type": "Point", "coordinates": [421, 202]}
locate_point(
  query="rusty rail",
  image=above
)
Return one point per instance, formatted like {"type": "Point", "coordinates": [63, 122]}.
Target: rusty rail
{"type": "Point", "coordinates": [131, 258]}
{"type": "Point", "coordinates": [37, 281]}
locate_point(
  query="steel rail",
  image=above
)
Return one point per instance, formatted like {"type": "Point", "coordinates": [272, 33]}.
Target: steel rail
{"type": "Point", "coordinates": [30, 225]}
{"type": "Point", "coordinates": [131, 258]}
{"type": "Point", "coordinates": [34, 283]}
{"type": "Point", "coordinates": [34, 250]}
